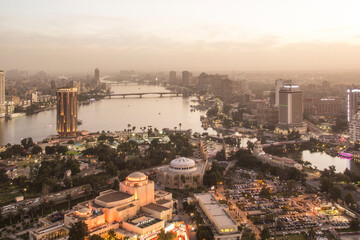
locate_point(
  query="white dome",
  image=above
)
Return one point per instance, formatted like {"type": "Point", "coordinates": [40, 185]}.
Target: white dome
{"type": "Point", "coordinates": [137, 176]}
{"type": "Point", "coordinates": [182, 164]}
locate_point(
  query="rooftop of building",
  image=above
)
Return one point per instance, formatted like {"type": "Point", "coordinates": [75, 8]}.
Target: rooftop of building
{"type": "Point", "coordinates": [155, 207]}
{"type": "Point", "coordinates": [113, 197]}
{"type": "Point", "coordinates": [216, 210]}
{"type": "Point", "coordinates": [162, 201]}
{"type": "Point", "coordinates": [144, 221]}
{"type": "Point", "coordinates": [137, 175]}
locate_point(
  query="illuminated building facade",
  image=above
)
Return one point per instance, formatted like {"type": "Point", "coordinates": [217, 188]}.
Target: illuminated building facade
{"type": "Point", "coordinates": [137, 184]}
{"type": "Point", "coordinates": [66, 112]}
{"type": "Point", "coordinates": [136, 209]}
{"type": "Point", "coordinates": [353, 103]}
{"type": "Point", "coordinates": [279, 83]}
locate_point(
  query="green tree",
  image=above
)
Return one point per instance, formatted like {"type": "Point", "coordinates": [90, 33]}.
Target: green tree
{"type": "Point", "coordinates": [78, 231]}
{"type": "Point", "coordinates": [36, 149]}
{"type": "Point", "coordinates": [349, 198]}
{"type": "Point", "coordinates": [111, 235]}
{"type": "Point", "coordinates": [166, 236]}
{"type": "Point", "coordinates": [95, 237]}
{"type": "Point", "coordinates": [265, 192]}
{"type": "Point", "coordinates": [265, 234]}
{"type": "Point", "coordinates": [204, 233]}
{"type": "Point", "coordinates": [68, 198]}
{"type": "Point", "coordinates": [248, 234]}
{"type": "Point", "coordinates": [354, 224]}
{"type": "Point", "coordinates": [183, 179]}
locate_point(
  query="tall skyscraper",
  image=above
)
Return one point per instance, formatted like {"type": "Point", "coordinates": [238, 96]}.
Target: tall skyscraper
{"type": "Point", "coordinates": [222, 87]}
{"type": "Point", "coordinates": [354, 128]}
{"type": "Point", "coordinates": [2, 93]}
{"type": "Point", "coordinates": [66, 112]}
{"type": "Point", "coordinates": [186, 78]}
{"type": "Point", "coordinates": [290, 105]}
{"type": "Point", "coordinates": [279, 83]}
{"type": "Point", "coordinates": [353, 103]}
{"type": "Point", "coordinates": [97, 76]}
{"type": "Point", "coordinates": [172, 79]}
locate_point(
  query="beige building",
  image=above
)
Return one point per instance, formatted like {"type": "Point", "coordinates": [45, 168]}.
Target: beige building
{"type": "Point", "coordinates": [135, 209]}
{"type": "Point", "coordinates": [182, 173]}
{"type": "Point", "coordinates": [224, 227]}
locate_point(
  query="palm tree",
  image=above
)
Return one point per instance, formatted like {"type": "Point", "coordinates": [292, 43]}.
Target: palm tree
{"type": "Point", "coordinates": [86, 192]}
{"type": "Point", "coordinates": [175, 129]}
{"type": "Point", "coordinates": [42, 205]}
{"type": "Point", "coordinates": [180, 126]}
{"type": "Point", "coordinates": [20, 212]}
{"type": "Point", "coordinates": [10, 216]}
{"type": "Point", "coordinates": [52, 204]}
{"type": "Point", "coordinates": [68, 198]}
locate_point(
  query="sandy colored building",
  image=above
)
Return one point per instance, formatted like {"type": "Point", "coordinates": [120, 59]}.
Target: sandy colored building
{"type": "Point", "coordinates": [135, 209]}
{"type": "Point", "coordinates": [182, 173]}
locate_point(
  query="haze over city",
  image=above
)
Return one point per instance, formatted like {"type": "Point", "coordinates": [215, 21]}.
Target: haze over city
{"type": "Point", "coordinates": [179, 120]}
{"type": "Point", "coordinates": [66, 36]}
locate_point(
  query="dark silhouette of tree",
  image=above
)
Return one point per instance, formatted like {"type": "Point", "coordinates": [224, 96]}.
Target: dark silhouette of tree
{"type": "Point", "coordinates": [78, 231]}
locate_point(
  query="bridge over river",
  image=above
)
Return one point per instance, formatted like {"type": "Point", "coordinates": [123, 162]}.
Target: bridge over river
{"type": "Point", "coordinates": [140, 94]}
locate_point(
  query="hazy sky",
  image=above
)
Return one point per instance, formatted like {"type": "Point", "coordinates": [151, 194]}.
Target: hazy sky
{"type": "Point", "coordinates": [80, 35]}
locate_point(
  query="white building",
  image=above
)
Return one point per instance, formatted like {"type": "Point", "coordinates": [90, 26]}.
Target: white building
{"type": "Point", "coordinates": [353, 103]}
{"type": "Point", "coordinates": [182, 173]}
{"type": "Point", "coordinates": [354, 128]}
{"type": "Point", "coordinates": [290, 105]}
{"type": "Point", "coordinates": [224, 227]}
{"type": "Point", "coordinates": [279, 83]}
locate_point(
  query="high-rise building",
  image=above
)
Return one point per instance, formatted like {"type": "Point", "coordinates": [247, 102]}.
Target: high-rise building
{"type": "Point", "coordinates": [2, 93]}
{"type": "Point", "coordinates": [354, 128]}
{"type": "Point", "coordinates": [328, 106]}
{"type": "Point", "coordinates": [279, 83]}
{"type": "Point", "coordinates": [290, 105]}
{"type": "Point", "coordinates": [97, 76]}
{"type": "Point", "coordinates": [186, 78]}
{"type": "Point", "coordinates": [222, 87]}
{"type": "Point", "coordinates": [66, 112]}
{"type": "Point", "coordinates": [353, 102]}
{"type": "Point", "coordinates": [172, 79]}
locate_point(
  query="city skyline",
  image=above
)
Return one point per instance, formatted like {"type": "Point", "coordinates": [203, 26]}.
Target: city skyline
{"type": "Point", "coordinates": [158, 35]}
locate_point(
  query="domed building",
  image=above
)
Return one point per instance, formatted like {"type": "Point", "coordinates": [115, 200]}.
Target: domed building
{"type": "Point", "coordinates": [136, 208]}
{"type": "Point", "coordinates": [138, 184]}
{"type": "Point", "coordinates": [181, 173]}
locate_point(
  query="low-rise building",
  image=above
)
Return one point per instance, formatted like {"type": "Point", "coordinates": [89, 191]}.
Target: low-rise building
{"type": "Point", "coordinates": [274, 160]}
{"type": "Point", "coordinates": [223, 225]}
{"type": "Point", "coordinates": [136, 208]}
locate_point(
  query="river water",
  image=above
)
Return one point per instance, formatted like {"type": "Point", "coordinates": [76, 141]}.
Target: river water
{"type": "Point", "coordinates": [112, 114]}
{"type": "Point", "coordinates": [150, 110]}
{"type": "Point", "coordinates": [322, 160]}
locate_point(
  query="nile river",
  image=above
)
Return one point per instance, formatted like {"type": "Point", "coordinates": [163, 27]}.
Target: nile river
{"type": "Point", "coordinates": [150, 110]}
{"type": "Point", "coordinates": [111, 114]}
